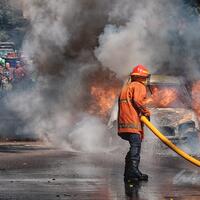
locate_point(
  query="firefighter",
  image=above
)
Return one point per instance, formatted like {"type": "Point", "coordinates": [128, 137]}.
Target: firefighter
{"type": "Point", "coordinates": [130, 128]}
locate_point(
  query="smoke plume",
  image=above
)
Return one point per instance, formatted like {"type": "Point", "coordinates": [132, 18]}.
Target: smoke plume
{"type": "Point", "coordinates": [60, 43]}
{"type": "Point", "coordinates": [70, 41]}
{"type": "Point", "coordinates": [161, 35]}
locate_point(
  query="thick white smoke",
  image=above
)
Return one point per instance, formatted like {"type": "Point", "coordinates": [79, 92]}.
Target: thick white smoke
{"type": "Point", "coordinates": [48, 25]}
{"type": "Point", "coordinates": [53, 107]}
{"type": "Point", "coordinates": [158, 34]}
{"type": "Point", "coordinates": [67, 40]}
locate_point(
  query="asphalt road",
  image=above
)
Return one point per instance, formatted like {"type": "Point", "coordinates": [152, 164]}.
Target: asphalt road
{"type": "Point", "coordinates": [31, 171]}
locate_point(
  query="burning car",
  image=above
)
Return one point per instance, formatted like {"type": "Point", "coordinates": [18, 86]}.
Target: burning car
{"type": "Point", "coordinates": [171, 107]}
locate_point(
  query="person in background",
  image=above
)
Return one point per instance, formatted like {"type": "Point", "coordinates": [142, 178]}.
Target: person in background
{"type": "Point", "coordinates": [8, 72]}
{"type": "Point", "coordinates": [7, 77]}
{"type": "Point", "coordinates": [1, 69]}
{"type": "Point", "coordinates": [19, 72]}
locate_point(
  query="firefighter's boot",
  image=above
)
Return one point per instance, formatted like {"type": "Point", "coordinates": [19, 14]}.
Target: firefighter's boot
{"type": "Point", "coordinates": [132, 173]}
{"type": "Point", "coordinates": [144, 177]}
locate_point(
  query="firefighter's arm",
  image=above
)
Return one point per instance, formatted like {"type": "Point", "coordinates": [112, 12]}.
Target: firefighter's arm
{"type": "Point", "coordinates": [142, 109]}
{"type": "Point", "coordinates": [139, 98]}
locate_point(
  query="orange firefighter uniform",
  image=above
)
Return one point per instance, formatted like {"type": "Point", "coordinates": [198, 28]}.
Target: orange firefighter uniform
{"type": "Point", "coordinates": [129, 116]}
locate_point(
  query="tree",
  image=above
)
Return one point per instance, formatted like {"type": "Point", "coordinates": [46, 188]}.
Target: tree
{"type": "Point", "coordinates": [12, 23]}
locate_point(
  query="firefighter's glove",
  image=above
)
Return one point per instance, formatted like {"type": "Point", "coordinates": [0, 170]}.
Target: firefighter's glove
{"type": "Point", "coordinates": [147, 114]}
{"type": "Point", "coordinates": [149, 118]}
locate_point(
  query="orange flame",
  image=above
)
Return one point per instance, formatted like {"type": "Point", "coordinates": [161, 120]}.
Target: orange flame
{"type": "Point", "coordinates": [196, 98]}
{"type": "Point", "coordinates": [103, 100]}
{"type": "Point", "coordinates": [162, 97]}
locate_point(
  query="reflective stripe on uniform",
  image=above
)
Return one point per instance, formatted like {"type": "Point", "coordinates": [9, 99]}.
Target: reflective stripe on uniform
{"type": "Point", "coordinates": [130, 125]}
{"type": "Point", "coordinates": [124, 101]}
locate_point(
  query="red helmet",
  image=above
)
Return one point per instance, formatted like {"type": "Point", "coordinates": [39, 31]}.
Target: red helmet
{"type": "Point", "coordinates": [140, 70]}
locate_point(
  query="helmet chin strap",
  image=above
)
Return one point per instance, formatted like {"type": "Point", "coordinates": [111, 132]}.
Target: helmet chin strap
{"type": "Point", "coordinates": [148, 84]}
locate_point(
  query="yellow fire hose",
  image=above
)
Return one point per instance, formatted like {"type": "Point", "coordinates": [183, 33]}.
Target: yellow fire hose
{"type": "Point", "coordinates": [168, 142]}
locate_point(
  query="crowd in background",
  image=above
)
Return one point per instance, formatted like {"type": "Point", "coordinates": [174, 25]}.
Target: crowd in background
{"type": "Point", "coordinates": [11, 76]}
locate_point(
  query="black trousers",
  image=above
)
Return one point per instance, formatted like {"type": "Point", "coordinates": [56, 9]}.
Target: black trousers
{"type": "Point", "coordinates": [135, 141]}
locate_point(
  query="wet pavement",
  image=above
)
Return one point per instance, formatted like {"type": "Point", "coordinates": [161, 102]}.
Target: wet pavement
{"type": "Point", "coordinates": [33, 171]}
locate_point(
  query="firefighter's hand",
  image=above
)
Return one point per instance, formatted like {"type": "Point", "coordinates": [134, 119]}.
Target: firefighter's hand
{"type": "Point", "coordinates": [149, 118]}
{"type": "Point", "coordinates": [147, 114]}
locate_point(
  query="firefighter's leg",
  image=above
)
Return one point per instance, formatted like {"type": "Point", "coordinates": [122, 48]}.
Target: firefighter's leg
{"type": "Point", "coordinates": [132, 159]}
{"type": "Point", "coordinates": [126, 136]}
{"type": "Point", "coordinates": [127, 165]}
